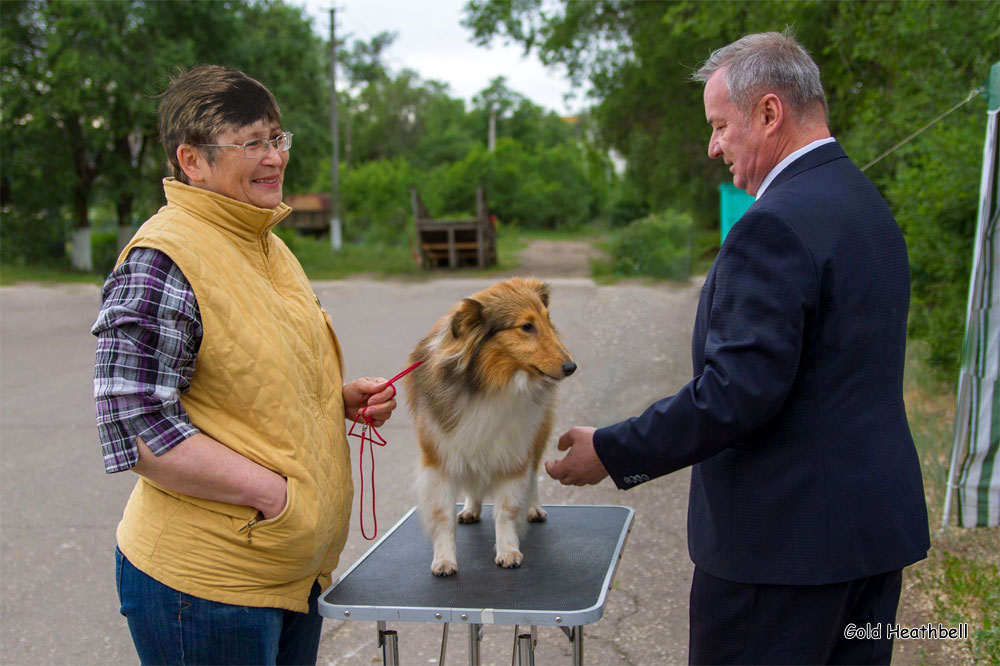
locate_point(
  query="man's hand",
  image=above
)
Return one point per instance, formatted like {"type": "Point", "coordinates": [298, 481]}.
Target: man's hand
{"type": "Point", "coordinates": [581, 466]}
{"type": "Point", "coordinates": [371, 392]}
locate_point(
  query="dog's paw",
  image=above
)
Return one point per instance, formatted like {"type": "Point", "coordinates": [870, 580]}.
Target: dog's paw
{"type": "Point", "coordinates": [536, 514]}
{"type": "Point", "coordinates": [442, 567]}
{"type": "Point", "coordinates": [509, 559]}
{"type": "Point", "coordinates": [468, 516]}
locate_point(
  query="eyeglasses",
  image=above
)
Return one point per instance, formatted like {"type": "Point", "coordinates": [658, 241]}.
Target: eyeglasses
{"type": "Point", "coordinates": [258, 147]}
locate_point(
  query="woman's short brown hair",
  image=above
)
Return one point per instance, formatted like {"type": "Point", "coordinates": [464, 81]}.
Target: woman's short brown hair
{"type": "Point", "coordinates": [205, 101]}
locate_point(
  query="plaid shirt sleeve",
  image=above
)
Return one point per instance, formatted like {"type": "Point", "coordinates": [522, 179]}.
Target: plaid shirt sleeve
{"type": "Point", "coordinates": [148, 334]}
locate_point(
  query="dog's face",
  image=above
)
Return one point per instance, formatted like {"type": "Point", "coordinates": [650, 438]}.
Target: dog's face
{"type": "Point", "coordinates": [506, 330]}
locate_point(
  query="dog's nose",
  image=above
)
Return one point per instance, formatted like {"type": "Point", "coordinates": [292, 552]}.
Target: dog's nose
{"type": "Point", "coordinates": [569, 367]}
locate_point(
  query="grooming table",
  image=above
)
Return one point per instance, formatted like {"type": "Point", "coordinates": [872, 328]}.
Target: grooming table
{"type": "Point", "coordinates": [569, 565]}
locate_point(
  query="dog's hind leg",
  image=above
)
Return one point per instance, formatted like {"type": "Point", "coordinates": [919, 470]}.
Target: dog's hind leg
{"type": "Point", "coordinates": [509, 515]}
{"type": "Point", "coordinates": [437, 509]}
{"type": "Point", "coordinates": [472, 510]}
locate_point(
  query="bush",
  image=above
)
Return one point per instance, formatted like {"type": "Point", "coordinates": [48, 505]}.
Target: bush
{"type": "Point", "coordinates": [31, 237]}
{"type": "Point", "coordinates": [655, 246]}
{"type": "Point", "coordinates": [104, 250]}
{"type": "Point", "coordinates": [625, 204]}
{"type": "Point", "coordinates": [376, 199]}
{"type": "Point", "coordinates": [542, 189]}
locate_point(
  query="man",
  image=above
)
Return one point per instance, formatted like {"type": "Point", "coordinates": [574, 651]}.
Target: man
{"type": "Point", "coordinates": [806, 497]}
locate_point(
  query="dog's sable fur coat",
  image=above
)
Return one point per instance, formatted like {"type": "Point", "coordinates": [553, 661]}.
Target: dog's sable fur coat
{"type": "Point", "coordinates": [483, 403]}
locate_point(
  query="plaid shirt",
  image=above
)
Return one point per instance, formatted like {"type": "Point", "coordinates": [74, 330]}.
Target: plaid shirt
{"type": "Point", "coordinates": [148, 334]}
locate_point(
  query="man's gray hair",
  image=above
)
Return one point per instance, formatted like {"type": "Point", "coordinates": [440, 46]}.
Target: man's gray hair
{"type": "Point", "coordinates": [767, 62]}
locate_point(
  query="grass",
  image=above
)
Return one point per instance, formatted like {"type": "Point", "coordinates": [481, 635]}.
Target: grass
{"type": "Point", "coordinates": [318, 259]}
{"type": "Point", "coordinates": [958, 581]}
{"type": "Point", "coordinates": [55, 273]}
{"type": "Point", "coordinates": [321, 262]}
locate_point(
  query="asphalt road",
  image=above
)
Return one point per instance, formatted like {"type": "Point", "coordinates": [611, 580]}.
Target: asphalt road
{"type": "Point", "coordinates": [58, 509]}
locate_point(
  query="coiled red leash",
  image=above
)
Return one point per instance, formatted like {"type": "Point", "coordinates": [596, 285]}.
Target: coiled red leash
{"type": "Point", "coordinates": [368, 432]}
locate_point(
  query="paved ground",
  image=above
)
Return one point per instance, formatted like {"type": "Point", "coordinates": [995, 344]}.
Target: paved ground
{"type": "Point", "coordinates": [58, 510]}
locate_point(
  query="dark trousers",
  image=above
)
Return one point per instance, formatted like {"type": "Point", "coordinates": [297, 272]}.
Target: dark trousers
{"type": "Point", "coordinates": [842, 623]}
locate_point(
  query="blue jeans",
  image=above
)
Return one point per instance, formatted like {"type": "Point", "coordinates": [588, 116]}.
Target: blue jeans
{"type": "Point", "coordinates": [170, 627]}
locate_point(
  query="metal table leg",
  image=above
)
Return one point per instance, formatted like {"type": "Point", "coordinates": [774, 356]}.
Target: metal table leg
{"type": "Point", "coordinates": [444, 645]}
{"type": "Point", "coordinates": [525, 650]}
{"type": "Point", "coordinates": [475, 637]}
{"type": "Point", "coordinates": [575, 635]}
{"type": "Point", "coordinates": [390, 647]}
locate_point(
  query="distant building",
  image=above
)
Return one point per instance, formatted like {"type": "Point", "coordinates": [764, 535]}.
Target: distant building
{"type": "Point", "coordinates": [310, 212]}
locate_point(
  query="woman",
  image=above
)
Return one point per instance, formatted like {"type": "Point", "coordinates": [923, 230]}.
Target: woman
{"type": "Point", "coordinates": [219, 382]}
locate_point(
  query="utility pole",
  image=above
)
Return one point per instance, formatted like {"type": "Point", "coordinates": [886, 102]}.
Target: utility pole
{"type": "Point", "coordinates": [491, 135]}
{"type": "Point", "coordinates": [335, 235]}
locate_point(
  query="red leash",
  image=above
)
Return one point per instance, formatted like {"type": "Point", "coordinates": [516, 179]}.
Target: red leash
{"type": "Point", "coordinates": [368, 432]}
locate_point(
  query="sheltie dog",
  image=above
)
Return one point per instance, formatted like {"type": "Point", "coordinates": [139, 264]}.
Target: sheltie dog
{"type": "Point", "coordinates": [483, 403]}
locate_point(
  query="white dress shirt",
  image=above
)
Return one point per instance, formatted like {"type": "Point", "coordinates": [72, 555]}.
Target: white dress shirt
{"type": "Point", "coordinates": [788, 160]}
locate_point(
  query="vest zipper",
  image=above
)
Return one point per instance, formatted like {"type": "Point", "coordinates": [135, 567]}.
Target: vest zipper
{"type": "Point", "coordinates": [248, 528]}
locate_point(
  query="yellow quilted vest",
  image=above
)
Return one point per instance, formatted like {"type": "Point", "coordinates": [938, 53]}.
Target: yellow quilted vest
{"type": "Point", "coordinates": [268, 384]}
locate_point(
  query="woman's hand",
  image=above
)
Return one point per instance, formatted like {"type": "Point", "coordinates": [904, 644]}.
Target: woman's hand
{"type": "Point", "coordinates": [371, 392]}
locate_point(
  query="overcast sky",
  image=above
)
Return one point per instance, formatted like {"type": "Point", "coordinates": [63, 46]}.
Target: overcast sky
{"type": "Point", "coordinates": [431, 41]}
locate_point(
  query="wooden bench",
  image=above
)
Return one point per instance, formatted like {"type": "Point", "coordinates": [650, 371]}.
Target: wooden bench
{"type": "Point", "coordinates": [455, 243]}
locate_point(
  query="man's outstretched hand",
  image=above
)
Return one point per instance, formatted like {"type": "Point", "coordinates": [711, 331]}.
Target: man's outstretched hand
{"type": "Point", "coordinates": [580, 466]}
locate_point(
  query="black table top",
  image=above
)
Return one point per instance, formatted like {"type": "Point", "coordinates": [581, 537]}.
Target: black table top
{"type": "Point", "coordinates": [569, 564]}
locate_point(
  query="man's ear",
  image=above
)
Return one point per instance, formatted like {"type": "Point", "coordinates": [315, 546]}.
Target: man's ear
{"type": "Point", "coordinates": [770, 113]}
{"type": "Point", "coordinates": [192, 162]}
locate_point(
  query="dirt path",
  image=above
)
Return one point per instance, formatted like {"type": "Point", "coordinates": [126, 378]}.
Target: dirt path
{"type": "Point", "coordinates": [557, 258]}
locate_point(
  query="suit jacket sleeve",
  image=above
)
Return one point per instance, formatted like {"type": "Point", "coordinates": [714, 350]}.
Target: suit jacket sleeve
{"type": "Point", "coordinates": [746, 347]}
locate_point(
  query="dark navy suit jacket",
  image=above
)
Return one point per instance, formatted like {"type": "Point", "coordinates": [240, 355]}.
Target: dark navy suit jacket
{"type": "Point", "coordinates": [805, 472]}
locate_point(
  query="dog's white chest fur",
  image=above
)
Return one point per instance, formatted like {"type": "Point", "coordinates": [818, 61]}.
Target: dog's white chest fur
{"type": "Point", "coordinates": [494, 433]}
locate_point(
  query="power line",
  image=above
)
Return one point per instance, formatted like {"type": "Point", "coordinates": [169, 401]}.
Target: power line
{"type": "Point", "coordinates": [972, 95]}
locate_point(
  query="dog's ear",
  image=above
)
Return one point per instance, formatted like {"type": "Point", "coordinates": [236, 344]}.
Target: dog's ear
{"type": "Point", "coordinates": [468, 315]}
{"type": "Point", "coordinates": [543, 293]}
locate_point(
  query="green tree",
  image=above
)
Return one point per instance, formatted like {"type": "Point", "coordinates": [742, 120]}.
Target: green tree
{"type": "Point", "coordinates": [79, 82]}
{"type": "Point", "coordinates": [888, 68]}
{"type": "Point", "coordinates": [278, 47]}
{"type": "Point", "coordinates": [364, 65]}
{"type": "Point", "coordinates": [449, 132]}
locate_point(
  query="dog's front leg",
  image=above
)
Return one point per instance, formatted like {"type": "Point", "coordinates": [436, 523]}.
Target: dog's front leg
{"type": "Point", "coordinates": [536, 514]}
{"type": "Point", "coordinates": [437, 508]}
{"type": "Point", "coordinates": [509, 519]}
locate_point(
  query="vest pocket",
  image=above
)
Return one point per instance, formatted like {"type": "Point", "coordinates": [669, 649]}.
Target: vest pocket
{"type": "Point", "coordinates": [287, 547]}
{"type": "Point", "coordinates": [256, 524]}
